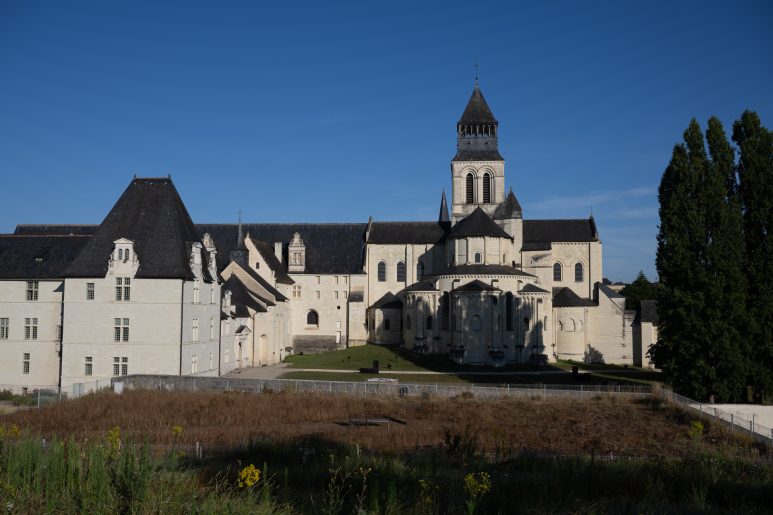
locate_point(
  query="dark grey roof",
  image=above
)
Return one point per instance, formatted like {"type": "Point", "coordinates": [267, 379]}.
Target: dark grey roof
{"type": "Point", "coordinates": [510, 208]}
{"type": "Point", "coordinates": [241, 329]}
{"type": "Point", "coordinates": [150, 213]}
{"type": "Point", "coordinates": [477, 110]}
{"type": "Point", "coordinates": [609, 292]}
{"type": "Point", "coordinates": [477, 224]}
{"type": "Point", "coordinates": [476, 285]}
{"type": "Point", "coordinates": [443, 215]}
{"type": "Point", "coordinates": [388, 301]}
{"type": "Point", "coordinates": [38, 257]}
{"type": "Point", "coordinates": [267, 252]}
{"type": "Point", "coordinates": [407, 232]}
{"type": "Point", "coordinates": [478, 155]}
{"type": "Point", "coordinates": [544, 231]}
{"type": "Point", "coordinates": [273, 291]}
{"type": "Point", "coordinates": [330, 248]}
{"type": "Point", "coordinates": [421, 286]}
{"type": "Point", "coordinates": [242, 296]}
{"type": "Point", "coordinates": [531, 288]}
{"type": "Point", "coordinates": [484, 270]}
{"type": "Point", "coordinates": [566, 298]}
{"type": "Point", "coordinates": [536, 245]}
{"type": "Point", "coordinates": [649, 311]}
{"type": "Point", "coordinates": [56, 229]}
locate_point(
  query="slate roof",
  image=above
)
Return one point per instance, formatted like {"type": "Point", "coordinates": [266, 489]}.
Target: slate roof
{"type": "Point", "coordinates": [532, 288]}
{"type": "Point", "coordinates": [388, 301]}
{"type": "Point", "coordinates": [510, 208]}
{"type": "Point", "coordinates": [407, 232]}
{"type": "Point", "coordinates": [421, 286]}
{"type": "Point", "coordinates": [544, 231]}
{"type": "Point", "coordinates": [273, 291]}
{"type": "Point", "coordinates": [443, 214]}
{"type": "Point", "coordinates": [150, 213]}
{"type": "Point", "coordinates": [477, 224]}
{"type": "Point", "coordinates": [330, 248]}
{"type": "Point", "coordinates": [242, 296]}
{"type": "Point", "coordinates": [566, 298]}
{"type": "Point", "coordinates": [484, 270]}
{"type": "Point", "coordinates": [536, 245]}
{"type": "Point", "coordinates": [56, 229]}
{"type": "Point", "coordinates": [649, 311]}
{"type": "Point", "coordinates": [477, 110]}
{"type": "Point", "coordinates": [609, 292]}
{"type": "Point", "coordinates": [267, 252]}
{"type": "Point", "coordinates": [38, 257]}
{"type": "Point", "coordinates": [478, 155]}
{"type": "Point", "coordinates": [476, 285]}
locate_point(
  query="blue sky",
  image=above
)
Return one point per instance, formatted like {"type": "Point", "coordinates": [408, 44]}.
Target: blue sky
{"type": "Point", "coordinates": [333, 112]}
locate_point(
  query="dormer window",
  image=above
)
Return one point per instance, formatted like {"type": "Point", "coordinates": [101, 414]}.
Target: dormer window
{"type": "Point", "coordinates": [296, 251]}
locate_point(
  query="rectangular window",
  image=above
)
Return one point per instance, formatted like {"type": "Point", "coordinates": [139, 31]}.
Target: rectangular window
{"type": "Point", "coordinates": [121, 330]}
{"type": "Point", "coordinates": [89, 291]}
{"type": "Point", "coordinates": [195, 290]}
{"type": "Point", "coordinates": [30, 328]}
{"type": "Point", "coordinates": [317, 293]}
{"type": "Point", "coordinates": [126, 284]}
{"type": "Point", "coordinates": [116, 366]}
{"type": "Point", "coordinates": [88, 366]}
{"type": "Point", "coordinates": [344, 295]}
{"type": "Point", "coordinates": [296, 291]}
{"type": "Point", "coordinates": [3, 328]}
{"type": "Point", "coordinates": [195, 330]}
{"type": "Point", "coordinates": [335, 294]}
{"type": "Point", "coordinates": [124, 366]}
{"type": "Point", "coordinates": [32, 290]}
{"type": "Point", "coordinates": [336, 279]}
{"type": "Point", "coordinates": [346, 280]}
{"type": "Point", "coordinates": [210, 361]}
{"type": "Point", "coordinates": [118, 288]}
{"type": "Point", "coordinates": [227, 329]}
{"type": "Point", "coordinates": [525, 324]}
{"type": "Point", "coordinates": [211, 328]}
{"type": "Point", "coordinates": [59, 333]}
{"type": "Point", "coordinates": [26, 363]}
{"type": "Point", "coordinates": [212, 294]}
{"type": "Point", "coordinates": [122, 288]}
{"type": "Point", "coordinates": [317, 279]}
{"type": "Point", "coordinates": [194, 363]}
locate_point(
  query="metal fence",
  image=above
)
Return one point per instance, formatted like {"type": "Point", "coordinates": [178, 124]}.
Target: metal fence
{"type": "Point", "coordinates": [187, 383]}
{"type": "Point", "coordinates": [729, 420]}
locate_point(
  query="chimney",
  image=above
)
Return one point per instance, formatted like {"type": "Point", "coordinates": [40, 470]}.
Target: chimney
{"type": "Point", "coordinates": [278, 250]}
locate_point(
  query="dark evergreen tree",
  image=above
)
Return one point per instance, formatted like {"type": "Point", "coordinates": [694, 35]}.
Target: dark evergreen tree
{"type": "Point", "coordinates": [640, 289]}
{"type": "Point", "coordinates": [755, 172]}
{"type": "Point", "coordinates": [699, 262]}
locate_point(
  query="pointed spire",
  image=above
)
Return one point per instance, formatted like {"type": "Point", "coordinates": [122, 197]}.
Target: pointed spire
{"type": "Point", "coordinates": [240, 240]}
{"type": "Point", "coordinates": [443, 216]}
{"type": "Point", "coordinates": [477, 110]}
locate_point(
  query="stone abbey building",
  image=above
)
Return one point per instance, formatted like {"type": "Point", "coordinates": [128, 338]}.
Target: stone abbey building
{"type": "Point", "coordinates": [149, 291]}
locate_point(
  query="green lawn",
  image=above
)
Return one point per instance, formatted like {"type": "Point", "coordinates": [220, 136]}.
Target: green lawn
{"type": "Point", "coordinates": [357, 377]}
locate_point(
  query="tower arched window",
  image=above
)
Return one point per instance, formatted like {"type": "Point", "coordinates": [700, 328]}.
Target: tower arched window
{"type": "Point", "coordinates": [408, 321]}
{"type": "Point", "coordinates": [469, 183]}
{"type": "Point", "coordinates": [509, 311]}
{"type": "Point", "coordinates": [486, 188]}
{"type": "Point", "coordinates": [557, 272]}
{"type": "Point", "coordinates": [312, 318]}
{"type": "Point", "coordinates": [381, 272]}
{"type": "Point", "coordinates": [478, 257]}
{"type": "Point", "coordinates": [400, 272]}
{"type": "Point", "coordinates": [578, 272]}
{"type": "Point", "coordinates": [419, 270]}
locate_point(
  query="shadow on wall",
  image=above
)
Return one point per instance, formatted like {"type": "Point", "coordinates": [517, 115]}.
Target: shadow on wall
{"type": "Point", "coordinates": [593, 356]}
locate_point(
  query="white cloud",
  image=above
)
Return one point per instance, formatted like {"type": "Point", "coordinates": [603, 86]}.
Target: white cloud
{"type": "Point", "coordinates": [588, 201]}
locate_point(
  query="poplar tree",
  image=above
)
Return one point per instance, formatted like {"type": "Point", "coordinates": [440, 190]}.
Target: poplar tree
{"type": "Point", "coordinates": [755, 172]}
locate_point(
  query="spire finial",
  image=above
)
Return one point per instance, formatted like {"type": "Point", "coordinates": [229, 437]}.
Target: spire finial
{"type": "Point", "coordinates": [240, 238]}
{"type": "Point", "coordinates": [477, 67]}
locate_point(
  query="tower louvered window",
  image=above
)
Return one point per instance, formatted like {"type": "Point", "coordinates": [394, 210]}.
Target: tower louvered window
{"type": "Point", "coordinates": [486, 188]}
{"type": "Point", "coordinates": [469, 183]}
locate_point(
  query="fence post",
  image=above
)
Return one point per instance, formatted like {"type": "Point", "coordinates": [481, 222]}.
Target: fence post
{"type": "Point", "coordinates": [38, 398]}
{"type": "Point", "coordinates": [731, 421]}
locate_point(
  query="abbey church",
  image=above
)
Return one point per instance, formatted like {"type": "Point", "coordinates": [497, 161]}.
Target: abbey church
{"type": "Point", "coordinates": [147, 291]}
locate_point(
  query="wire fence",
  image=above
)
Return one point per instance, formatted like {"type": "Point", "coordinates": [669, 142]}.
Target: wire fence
{"type": "Point", "coordinates": [731, 420]}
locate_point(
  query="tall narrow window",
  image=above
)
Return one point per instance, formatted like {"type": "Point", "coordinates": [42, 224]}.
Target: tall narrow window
{"type": "Point", "coordinates": [88, 366]}
{"type": "Point", "coordinates": [525, 324]}
{"type": "Point", "coordinates": [26, 363]}
{"type": "Point", "coordinates": [195, 330]}
{"type": "Point", "coordinates": [195, 290]}
{"type": "Point", "coordinates": [121, 330]}
{"type": "Point", "coordinates": [30, 328]}
{"type": "Point", "coordinates": [381, 272]}
{"type": "Point", "coordinates": [469, 183]}
{"type": "Point", "coordinates": [387, 325]}
{"type": "Point", "coordinates": [420, 270]}
{"type": "Point", "coordinates": [124, 366]}
{"type": "Point", "coordinates": [122, 288]}
{"type": "Point", "coordinates": [211, 328]}
{"type": "Point", "coordinates": [116, 366]}
{"type": "Point", "coordinates": [557, 272]}
{"type": "Point", "coordinates": [578, 272]}
{"type": "Point", "coordinates": [32, 290]}
{"type": "Point", "coordinates": [3, 328]}
{"type": "Point", "coordinates": [312, 318]}
{"type": "Point", "coordinates": [408, 321]}
{"type": "Point", "coordinates": [509, 311]}
{"type": "Point", "coordinates": [478, 257]}
{"type": "Point", "coordinates": [400, 272]}
{"type": "Point", "coordinates": [486, 188]}
{"type": "Point", "coordinates": [429, 322]}
{"type": "Point", "coordinates": [89, 291]}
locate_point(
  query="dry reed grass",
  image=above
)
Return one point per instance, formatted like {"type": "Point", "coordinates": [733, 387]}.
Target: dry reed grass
{"type": "Point", "coordinates": [596, 426]}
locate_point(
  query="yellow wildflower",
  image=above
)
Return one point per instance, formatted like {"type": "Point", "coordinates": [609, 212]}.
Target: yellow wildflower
{"type": "Point", "coordinates": [248, 476]}
{"type": "Point", "coordinates": [177, 431]}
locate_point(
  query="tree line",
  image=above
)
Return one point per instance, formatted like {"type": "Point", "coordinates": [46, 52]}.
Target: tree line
{"type": "Point", "coordinates": [715, 263]}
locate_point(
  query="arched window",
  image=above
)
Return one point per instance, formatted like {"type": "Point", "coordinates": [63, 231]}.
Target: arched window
{"type": "Point", "coordinates": [387, 324]}
{"type": "Point", "coordinates": [509, 311]}
{"type": "Point", "coordinates": [578, 272]}
{"type": "Point", "coordinates": [486, 188]}
{"type": "Point", "coordinates": [469, 183]}
{"type": "Point", "coordinates": [429, 322]}
{"type": "Point", "coordinates": [475, 323]}
{"type": "Point", "coordinates": [419, 270]}
{"type": "Point", "coordinates": [557, 272]}
{"type": "Point", "coordinates": [478, 257]}
{"type": "Point", "coordinates": [400, 272]}
{"type": "Point", "coordinates": [381, 272]}
{"type": "Point", "coordinates": [408, 321]}
{"type": "Point", "coordinates": [312, 318]}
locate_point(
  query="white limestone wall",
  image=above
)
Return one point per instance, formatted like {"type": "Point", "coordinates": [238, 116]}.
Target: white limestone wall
{"type": "Point", "coordinates": [570, 327]}
{"type": "Point", "coordinates": [328, 296]}
{"type": "Point", "coordinates": [358, 327]}
{"type": "Point", "coordinates": [378, 332]}
{"type": "Point", "coordinates": [610, 331]}
{"type": "Point", "coordinates": [155, 314]}
{"type": "Point", "coordinates": [540, 264]}
{"type": "Point", "coordinates": [493, 251]}
{"type": "Point", "coordinates": [568, 255]}
{"type": "Point", "coordinates": [391, 255]}
{"type": "Point", "coordinates": [43, 351]}
{"type": "Point", "coordinates": [459, 171]}
{"type": "Point", "coordinates": [207, 312]}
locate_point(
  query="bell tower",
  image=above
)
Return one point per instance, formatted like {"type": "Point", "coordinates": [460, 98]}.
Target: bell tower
{"type": "Point", "coordinates": [477, 170]}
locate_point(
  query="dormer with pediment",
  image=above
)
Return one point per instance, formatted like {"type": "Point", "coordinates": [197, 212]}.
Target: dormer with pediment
{"type": "Point", "coordinates": [296, 253]}
{"type": "Point", "coordinates": [209, 246]}
{"type": "Point", "coordinates": [196, 259]}
{"type": "Point", "coordinates": [123, 259]}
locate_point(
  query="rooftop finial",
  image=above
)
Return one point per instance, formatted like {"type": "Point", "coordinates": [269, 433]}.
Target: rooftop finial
{"type": "Point", "coordinates": [240, 238]}
{"type": "Point", "coordinates": [477, 67]}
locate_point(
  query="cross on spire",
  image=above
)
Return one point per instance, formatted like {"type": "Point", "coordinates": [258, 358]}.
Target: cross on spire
{"type": "Point", "coordinates": [477, 67]}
